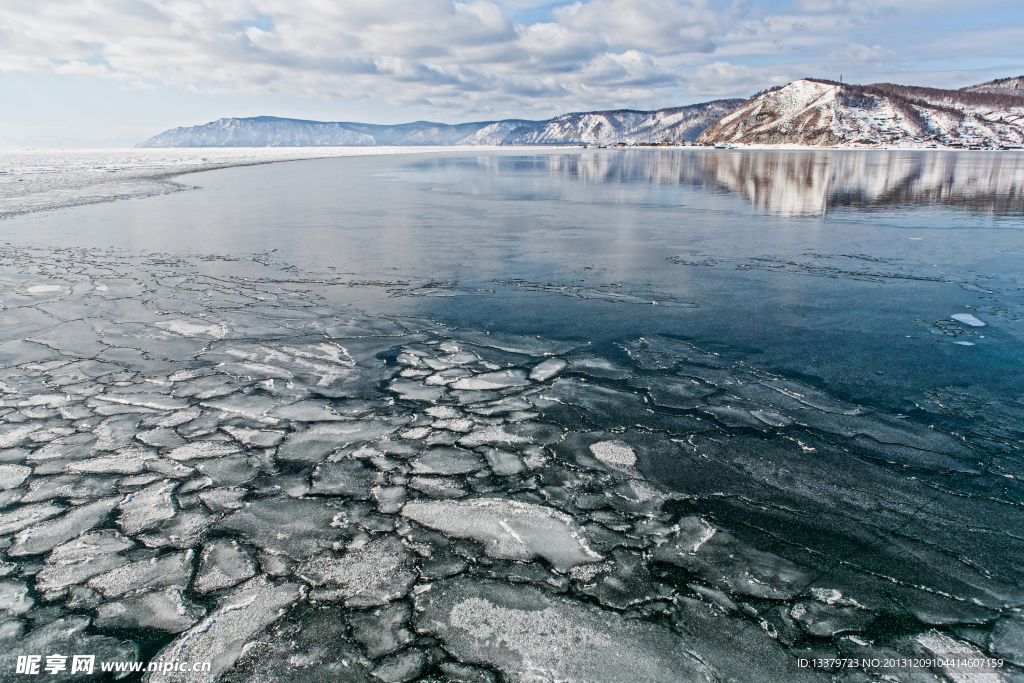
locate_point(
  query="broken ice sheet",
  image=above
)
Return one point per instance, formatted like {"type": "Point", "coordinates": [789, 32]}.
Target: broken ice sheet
{"type": "Point", "coordinates": [336, 495]}
{"type": "Point", "coordinates": [184, 530]}
{"type": "Point", "coordinates": [156, 573]}
{"type": "Point", "coordinates": [622, 583]}
{"type": "Point", "coordinates": [220, 638]}
{"type": "Point", "coordinates": [446, 461]}
{"type": "Point", "coordinates": [508, 530]}
{"type": "Point", "coordinates": [11, 476]}
{"type": "Point", "coordinates": [295, 527]}
{"type": "Point", "coordinates": [80, 559]}
{"type": "Point", "coordinates": [147, 508]}
{"type": "Point", "coordinates": [69, 634]}
{"type": "Point", "coordinates": [383, 630]}
{"type": "Point", "coordinates": [199, 450]}
{"type": "Point", "coordinates": [223, 564]}
{"type": "Point", "coordinates": [126, 461]}
{"type": "Point", "coordinates": [194, 328]}
{"type": "Point", "coordinates": [366, 576]}
{"type": "Point", "coordinates": [163, 610]}
{"type": "Point", "coordinates": [525, 632]}
{"type": "Point", "coordinates": [722, 560]}
{"type": "Point", "coordinates": [492, 380]}
{"type": "Point", "coordinates": [14, 597]}
{"type": "Point", "coordinates": [412, 391]}
{"type": "Point", "coordinates": [44, 536]}
{"type": "Point", "coordinates": [307, 645]}
{"type": "Point", "coordinates": [27, 515]}
{"type": "Point", "coordinates": [547, 369]}
{"type": "Point", "coordinates": [320, 440]}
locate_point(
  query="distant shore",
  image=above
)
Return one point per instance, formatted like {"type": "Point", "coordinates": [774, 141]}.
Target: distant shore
{"type": "Point", "coordinates": [43, 180]}
{"type": "Point", "coordinates": [47, 179]}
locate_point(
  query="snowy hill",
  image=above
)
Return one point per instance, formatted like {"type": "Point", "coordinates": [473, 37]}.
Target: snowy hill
{"type": "Point", "coordinates": [1002, 86]}
{"type": "Point", "coordinates": [823, 113]}
{"type": "Point", "coordinates": [604, 127]}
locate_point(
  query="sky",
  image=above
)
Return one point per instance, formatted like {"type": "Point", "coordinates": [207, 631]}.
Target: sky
{"type": "Point", "coordinates": [111, 73]}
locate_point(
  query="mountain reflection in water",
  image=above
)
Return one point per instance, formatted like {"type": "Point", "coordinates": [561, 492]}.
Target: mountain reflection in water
{"type": "Point", "coordinates": [813, 182]}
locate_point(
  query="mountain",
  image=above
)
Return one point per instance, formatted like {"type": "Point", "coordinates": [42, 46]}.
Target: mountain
{"type": "Point", "coordinates": [600, 127]}
{"type": "Point", "coordinates": [821, 113]}
{"type": "Point", "coordinates": [1002, 86]}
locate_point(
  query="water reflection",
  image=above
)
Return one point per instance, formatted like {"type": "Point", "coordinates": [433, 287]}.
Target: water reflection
{"type": "Point", "coordinates": [797, 183]}
{"type": "Point", "coordinates": [812, 183]}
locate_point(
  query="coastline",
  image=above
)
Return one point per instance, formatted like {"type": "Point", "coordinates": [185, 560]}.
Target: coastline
{"type": "Point", "coordinates": [45, 180]}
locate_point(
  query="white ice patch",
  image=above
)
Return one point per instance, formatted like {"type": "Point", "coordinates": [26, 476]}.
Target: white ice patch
{"type": "Point", "coordinates": [12, 437]}
{"type": "Point", "coordinates": [967, 319]}
{"type": "Point", "coordinates": [11, 476]}
{"type": "Point", "coordinates": [191, 329]}
{"type": "Point", "coordinates": [615, 454]}
{"type": "Point", "coordinates": [221, 637]}
{"type": "Point", "coordinates": [492, 380]}
{"type": "Point", "coordinates": [126, 461]}
{"type": "Point", "coordinates": [26, 516]}
{"type": "Point", "coordinates": [829, 596]}
{"type": "Point", "coordinates": [547, 369]}
{"type": "Point", "coordinates": [148, 508]}
{"type": "Point", "coordinates": [201, 450]}
{"type": "Point", "coordinates": [508, 529]}
{"type": "Point", "coordinates": [943, 646]}
{"type": "Point", "coordinates": [14, 597]}
{"type": "Point", "coordinates": [44, 289]}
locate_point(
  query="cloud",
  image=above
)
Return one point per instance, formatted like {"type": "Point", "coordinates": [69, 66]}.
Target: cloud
{"type": "Point", "coordinates": [657, 27]}
{"type": "Point", "coordinates": [862, 54]}
{"type": "Point", "coordinates": [471, 57]}
{"type": "Point", "coordinates": [722, 79]}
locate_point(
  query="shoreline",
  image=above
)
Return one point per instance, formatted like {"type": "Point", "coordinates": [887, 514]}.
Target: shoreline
{"type": "Point", "coordinates": [32, 181]}
{"type": "Point", "coordinates": [44, 180]}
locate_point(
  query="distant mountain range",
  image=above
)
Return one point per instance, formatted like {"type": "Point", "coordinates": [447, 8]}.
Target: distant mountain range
{"type": "Point", "coordinates": [599, 127]}
{"type": "Point", "coordinates": [808, 112]}
{"type": "Point", "coordinates": [821, 113]}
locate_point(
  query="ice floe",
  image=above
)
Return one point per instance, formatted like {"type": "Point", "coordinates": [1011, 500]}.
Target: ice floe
{"type": "Point", "coordinates": [509, 530]}
{"type": "Point", "coordinates": [221, 637]}
{"type": "Point", "coordinates": [372, 574]}
{"type": "Point", "coordinates": [533, 636]}
{"type": "Point", "coordinates": [967, 319]}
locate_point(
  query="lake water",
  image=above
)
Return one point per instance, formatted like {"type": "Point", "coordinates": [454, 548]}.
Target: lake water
{"type": "Point", "coordinates": [542, 415]}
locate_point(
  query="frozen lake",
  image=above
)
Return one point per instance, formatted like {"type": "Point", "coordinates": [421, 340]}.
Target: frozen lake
{"type": "Point", "coordinates": [585, 415]}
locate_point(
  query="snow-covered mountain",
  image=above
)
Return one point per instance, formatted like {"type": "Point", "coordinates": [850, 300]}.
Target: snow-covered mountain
{"type": "Point", "coordinates": [824, 113]}
{"type": "Point", "coordinates": [602, 127]}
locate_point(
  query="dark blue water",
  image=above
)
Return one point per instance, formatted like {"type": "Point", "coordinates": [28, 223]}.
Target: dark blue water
{"type": "Point", "coordinates": [832, 265]}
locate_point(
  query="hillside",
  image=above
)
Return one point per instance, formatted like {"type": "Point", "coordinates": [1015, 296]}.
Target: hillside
{"type": "Point", "coordinates": [1002, 86]}
{"type": "Point", "coordinates": [823, 113]}
{"type": "Point", "coordinates": [602, 127]}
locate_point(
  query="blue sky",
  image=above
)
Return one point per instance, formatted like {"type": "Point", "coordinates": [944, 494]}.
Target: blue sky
{"type": "Point", "coordinates": [114, 72]}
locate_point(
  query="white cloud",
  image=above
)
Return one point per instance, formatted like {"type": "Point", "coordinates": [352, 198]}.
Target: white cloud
{"type": "Point", "coordinates": [722, 79]}
{"type": "Point", "coordinates": [468, 58]}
